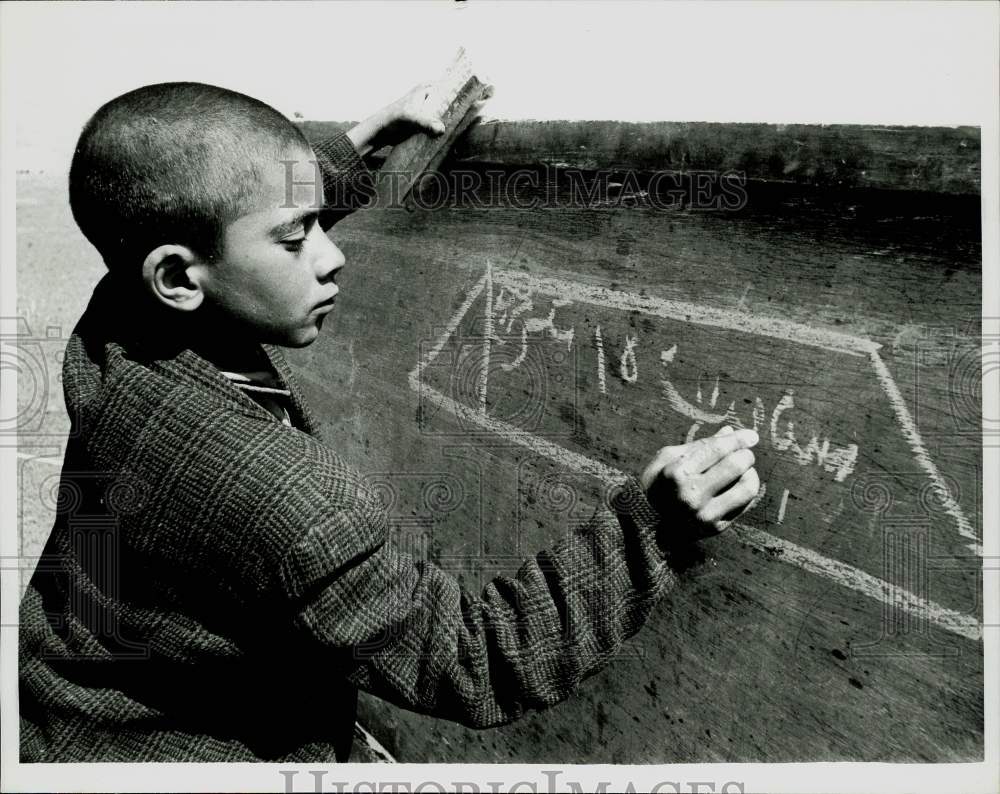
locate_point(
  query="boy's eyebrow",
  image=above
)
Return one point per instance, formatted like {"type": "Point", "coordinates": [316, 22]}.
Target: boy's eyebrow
{"type": "Point", "coordinates": [306, 219]}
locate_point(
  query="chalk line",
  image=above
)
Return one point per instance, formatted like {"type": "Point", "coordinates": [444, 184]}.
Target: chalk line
{"type": "Point", "coordinates": [860, 581]}
{"type": "Point", "coordinates": [782, 506]}
{"type": "Point", "coordinates": [690, 312]}
{"type": "Point", "coordinates": [536, 444]}
{"type": "Point", "coordinates": [681, 406]}
{"type": "Point", "coordinates": [839, 572]}
{"type": "Point", "coordinates": [449, 329]}
{"type": "Point", "coordinates": [843, 574]}
{"type": "Point", "coordinates": [912, 434]}
{"type": "Point", "coordinates": [743, 297]}
{"type": "Point", "coordinates": [628, 354]}
{"type": "Point", "coordinates": [761, 493]}
{"type": "Point", "coordinates": [484, 375]}
{"type": "Point", "coordinates": [602, 383]}
{"type": "Point", "coordinates": [374, 745]}
{"type": "Point", "coordinates": [782, 329]}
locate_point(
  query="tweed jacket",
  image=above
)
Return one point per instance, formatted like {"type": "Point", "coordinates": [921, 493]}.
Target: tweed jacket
{"type": "Point", "coordinates": [217, 585]}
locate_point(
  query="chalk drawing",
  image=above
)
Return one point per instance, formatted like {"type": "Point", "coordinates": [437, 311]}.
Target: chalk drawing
{"type": "Point", "coordinates": [743, 297]}
{"type": "Point", "coordinates": [948, 503]}
{"type": "Point", "coordinates": [779, 442]}
{"type": "Point", "coordinates": [629, 366]}
{"type": "Point", "coordinates": [758, 414]}
{"type": "Point", "coordinates": [839, 461]}
{"type": "Point", "coordinates": [602, 383]}
{"type": "Point", "coordinates": [860, 581]}
{"type": "Point", "coordinates": [761, 493]}
{"type": "Point", "coordinates": [506, 308]}
{"type": "Point", "coordinates": [548, 324]}
{"type": "Point", "coordinates": [487, 342]}
{"type": "Point", "coordinates": [692, 432]}
{"type": "Point", "coordinates": [449, 329]}
{"type": "Point", "coordinates": [782, 506]}
{"type": "Point", "coordinates": [502, 304]}
{"type": "Point", "coordinates": [532, 324]}
{"type": "Point", "coordinates": [374, 745]}
{"type": "Point", "coordinates": [522, 353]}
{"type": "Point", "coordinates": [684, 408]}
{"type": "Point", "coordinates": [843, 574]}
{"type": "Point", "coordinates": [689, 312]}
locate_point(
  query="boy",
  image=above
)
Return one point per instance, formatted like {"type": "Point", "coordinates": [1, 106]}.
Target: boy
{"type": "Point", "coordinates": [217, 583]}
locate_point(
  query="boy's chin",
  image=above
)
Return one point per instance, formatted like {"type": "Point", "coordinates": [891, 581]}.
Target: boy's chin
{"type": "Point", "coordinates": [288, 335]}
{"type": "Point", "coordinates": [302, 337]}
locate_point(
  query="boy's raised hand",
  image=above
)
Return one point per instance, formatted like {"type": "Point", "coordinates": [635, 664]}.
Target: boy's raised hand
{"type": "Point", "coordinates": [705, 484]}
{"type": "Point", "coordinates": [413, 112]}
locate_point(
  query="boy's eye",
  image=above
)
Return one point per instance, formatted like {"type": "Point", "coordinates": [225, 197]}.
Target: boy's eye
{"type": "Point", "coordinates": [294, 243]}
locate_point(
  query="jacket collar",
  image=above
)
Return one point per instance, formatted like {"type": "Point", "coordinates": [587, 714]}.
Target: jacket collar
{"type": "Point", "coordinates": [156, 340]}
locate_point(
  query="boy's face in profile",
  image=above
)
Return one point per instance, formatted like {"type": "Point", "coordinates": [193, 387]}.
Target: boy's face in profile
{"type": "Point", "coordinates": [275, 276]}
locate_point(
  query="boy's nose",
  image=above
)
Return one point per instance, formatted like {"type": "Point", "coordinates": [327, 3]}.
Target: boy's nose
{"type": "Point", "coordinates": [330, 261]}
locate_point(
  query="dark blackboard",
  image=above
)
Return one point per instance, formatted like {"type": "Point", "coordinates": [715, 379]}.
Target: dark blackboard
{"type": "Point", "coordinates": [936, 159]}
{"type": "Point", "coordinates": [489, 366]}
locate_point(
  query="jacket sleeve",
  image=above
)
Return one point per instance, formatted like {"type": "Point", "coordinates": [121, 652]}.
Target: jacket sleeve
{"type": "Point", "coordinates": [408, 632]}
{"type": "Point", "coordinates": [348, 184]}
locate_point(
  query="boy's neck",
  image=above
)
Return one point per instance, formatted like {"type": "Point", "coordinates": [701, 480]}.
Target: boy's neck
{"type": "Point", "coordinates": [219, 342]}
{"type": "Point", "coordinates": [232, 354]}
{"type": "Point", "coordinates": [224, 344]}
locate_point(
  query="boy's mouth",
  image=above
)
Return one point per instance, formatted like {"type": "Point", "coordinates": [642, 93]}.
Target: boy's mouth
{"type": "Point", "coordinates": [329, 301]}
{"type": "Point", "coordinates": [325, 305]}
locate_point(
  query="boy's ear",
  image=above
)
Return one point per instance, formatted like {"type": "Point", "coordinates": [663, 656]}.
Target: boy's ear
{"type": "Point", "coordinates": [173, 275]}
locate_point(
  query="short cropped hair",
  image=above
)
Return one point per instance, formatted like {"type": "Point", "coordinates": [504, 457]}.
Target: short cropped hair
{"type": "Point", "coordinates": [173, 163]}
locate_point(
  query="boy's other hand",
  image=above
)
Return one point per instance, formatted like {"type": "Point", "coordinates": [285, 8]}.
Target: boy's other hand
{"type": "Point", "coordinates": [413, 112]}
{"type": "Point", "coordinates": [705, 484]}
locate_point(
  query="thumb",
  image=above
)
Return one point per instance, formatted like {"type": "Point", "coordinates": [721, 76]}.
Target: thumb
{"type": "Point", "coordinates": [724, 430]}
{"type": "Point", "coordinates": [664, 457]}
{"type": "Point", "coordinates": [427, 122]}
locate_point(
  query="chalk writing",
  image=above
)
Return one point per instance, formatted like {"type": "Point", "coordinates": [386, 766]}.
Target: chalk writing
{"type": "Point", "coordinates": [489, 334]}
{"type": "Point", "coordinates": [512, 306]}
{"type": "Point", "coordinates": [508, 308]}
{"type": "Point", "coordinates": [601, 375]}
{"type": "Point", "coordinates": [839, 461]}
{"type": "Point", "coordinates": [629, 367]}
{"type": "Point", "coordinates": [783, 506]}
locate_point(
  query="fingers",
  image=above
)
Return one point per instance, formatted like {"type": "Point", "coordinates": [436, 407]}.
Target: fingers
{"type": "Point", "coordinates": [663, 458]}
{"type": "Point", "coordinates": [706, 452]}
{"type": "Point", "coordinates": [729, 504]}
{"type": "Point", "coordinates": [425, 122]}
{"type": "Point", "coordinates": [413, 108]}
{"type": "Point", "coordinates": [428, 122]}
{"type": "Point", "coordinates": [707, 483]}
{"type": "Point", "coordinates": [727, 471]}
{"type": "Point", "coordinates": [684, 456]}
